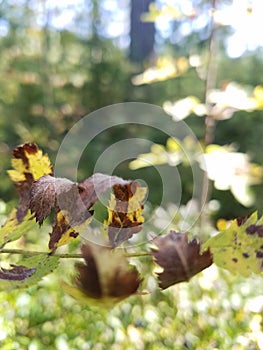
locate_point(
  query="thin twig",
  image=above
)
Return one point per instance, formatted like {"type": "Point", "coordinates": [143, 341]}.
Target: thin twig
{"type": "Point", "coordinates": [35, 253]}
{"type": "Point", "coordinates": [61, 256]}
{"type": "Point", "coordinates": [210, 123]}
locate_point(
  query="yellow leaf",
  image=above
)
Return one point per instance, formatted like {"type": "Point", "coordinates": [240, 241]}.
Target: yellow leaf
{"type": "Point", "coordinates": [29, 159]}
{"type": "Point", "coordinates": [13, 229]}
{"type": "Point", "coordinates": [239, 247]}
{"type": "Point", "coordinates": [62, 232]}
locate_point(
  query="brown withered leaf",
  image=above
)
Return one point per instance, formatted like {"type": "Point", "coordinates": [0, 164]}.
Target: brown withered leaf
{"type": "Point", "coordinates": [105, 278]}
{"type": "Point", "coordinates": [179, 258]}
{"type": "Point", "coordinates": [72, 202]}
{"type": "Point", "coordinates": [17, 273]}
{"type": "Point", "coordinates": [75, 198]}
{"type": "Point", "coordinates": [49, 192]}
{"type": "Point", "coordinates": [96, 185]}
{"type": "Point", "coordinates": [42, 198]}
{"type": "Point", "coordinates": [125, 212]}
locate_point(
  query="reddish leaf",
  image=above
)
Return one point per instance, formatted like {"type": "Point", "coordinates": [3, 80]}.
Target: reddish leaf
{"type": "Point", "coordinates": [17, 273]}
{"type": "Point", "coordinates": [179, 258]}
{"type": "Point", "coordinates": [72, 197]}
{"type": "Point", "coordinates": [71, 201]}
{"type": "Point", "coordinates": [48, 192]}
{"type": "Point", "coordinates": [42, 197]}
{"type": "Point", "coordinates": [96, 185]}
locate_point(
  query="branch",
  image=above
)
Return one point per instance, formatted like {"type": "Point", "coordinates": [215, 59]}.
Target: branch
{"type": "Point", "coordinates": [62, 256]}
{"type": "Point", "coordinates": [210, 123]}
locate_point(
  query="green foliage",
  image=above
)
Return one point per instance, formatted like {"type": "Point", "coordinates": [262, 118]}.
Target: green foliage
{"type": "Point", "coordinates": [51, 78]}
{"type": "Point", "coordinates": [213, 310]}
{"type": "Point", "coordinates": [42, 264]}
{"type": "Point", "coordinates": [13, 229]}
{"type": "Point", "coordinates": [239, 248]}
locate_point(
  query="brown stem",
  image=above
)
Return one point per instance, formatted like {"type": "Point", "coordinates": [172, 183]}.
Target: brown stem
{"type": "Point", "coordinates": [210, 122]}
{"type": "Point", "coordinates": [61, 256]}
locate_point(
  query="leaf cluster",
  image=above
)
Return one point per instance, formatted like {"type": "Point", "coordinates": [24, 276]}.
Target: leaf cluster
{"type": "Point", "coordinates": [104, 275]}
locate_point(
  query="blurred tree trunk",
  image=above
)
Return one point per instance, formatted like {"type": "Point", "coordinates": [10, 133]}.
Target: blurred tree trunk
{"type": "Point", "coordinates": [141, 33]}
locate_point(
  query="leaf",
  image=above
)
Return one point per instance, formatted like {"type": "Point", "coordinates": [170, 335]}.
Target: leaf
{"type": "Point", "coordinates": [239, 248]}
{"type": "Point", "coordinates": [231, 171]}
{"type": "Point", "coordinates": [105, 278]}
{"type": "Point", "coordinates": [125, 212]}
{"type": "Point", "coordinates": [13, 229]}
{"type": "Point", "coordinates": [72, 202]}
{"type": "Point", "coordinates": [49, 192]}
{"type": "Point", "coordinates": [29, 160]}
{"type": "Point", "coordinates": [181, 109]}
{"type": "Point", "coordinates": [166, 68]}
{"type": "Point", "coordinates": [96, 185]}
{"type": "Point", "coordinates": [179, 258]}
{"type": "Point", "coordinates": [33, 269]}
{"type": "Point", "coordinates": [17, 273]}
{"type": "Point", "coordinates": [62, 232]}
{"type": "Point", "coordinates": [74, 198]}
{"type": "Point", "coordinates": [29, 164]}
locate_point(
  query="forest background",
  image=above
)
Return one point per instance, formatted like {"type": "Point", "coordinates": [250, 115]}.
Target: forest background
{"type": "Point", "coordinates": [60, 62]}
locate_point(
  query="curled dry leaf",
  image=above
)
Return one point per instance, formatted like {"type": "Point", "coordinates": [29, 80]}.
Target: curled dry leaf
{"type": "Point", "coordinates": [49, 192]}
{"type": "Point", "coordinates": [96, 185]}
{"type": "Point", "coordinates": [179, 258]}
{"type": "Point", "coordinates": [29, 164]}
{"type": "Point", "coordinates": [125, 212]}
{"type": "Point", "coordinates": [72, 202]}
{"type": "Point", "coordinates": [17, 273]}
{"type": "Point", "coordinates": [105, 278]}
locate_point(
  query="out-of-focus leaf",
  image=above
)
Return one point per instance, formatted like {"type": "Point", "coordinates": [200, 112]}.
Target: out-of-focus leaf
{"type": "Point", "coordinates": [165, 68]}
{"type": "Point", "coordinates": [231, 170]}
{"type": "Point", "coordinates": [173, 154]}
{"type": "Point", "coordinates": [258, 95]}
{"type": "Point", "coordinates": [183, 108]}
{"type": "Point", "coordinates": [125, 212]}
{"type": "Point", "coordinates": [36, 267]}
{"type": "Point", "coordinates": [16, 273]}
{"type": "Point", "coordinates": [179, 258]}
{"type": "Point", "coordinates": [167, 13]}
{"type": "Point", "coordinates": [29, 165]}
{"type": "Point", "coordinates": [14, 229]}
{"type": "Point", "coordinates": [231, 98]}
{"type": "Point", "coordinates": [158, 155]}
{"type": "Point", "coordinates": [104, 279]}
{"type": "Point", "coordinates": [239, 248]}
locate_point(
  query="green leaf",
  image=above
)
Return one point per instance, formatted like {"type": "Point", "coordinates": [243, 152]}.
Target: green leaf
{"type": "Point", "coordinates": [239, 248]}
{"type": "Point", "coordinates": [43, 264]}
{"type": "Point", "coordinates": [13, 229]}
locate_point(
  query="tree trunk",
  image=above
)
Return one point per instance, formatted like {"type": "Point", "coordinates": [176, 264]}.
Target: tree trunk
{"type": "Point", "coordinates": [141, 33]}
